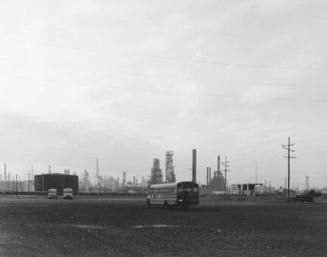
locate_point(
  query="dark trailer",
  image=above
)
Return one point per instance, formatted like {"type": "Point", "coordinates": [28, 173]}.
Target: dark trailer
{"type": "Point", "coordinates": [58, 181]}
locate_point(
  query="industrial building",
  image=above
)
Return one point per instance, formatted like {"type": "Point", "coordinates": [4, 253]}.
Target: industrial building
{"type": "Point", "coordinates": [170, 174]}
{"type": "Point", "coordinates": [248, 189]}
{"type": "Point", "coordinates": [58, 181]}
{"type": "Point", "coordinates": [217, 183]}
{"type": "Point", "coordinates": [156, 173]}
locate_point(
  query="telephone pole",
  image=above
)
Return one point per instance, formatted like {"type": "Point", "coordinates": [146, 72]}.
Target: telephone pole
{"type": "Point", "coordinates": [226, 166]}
{"type": "Point", "coordinates": [289, 157]}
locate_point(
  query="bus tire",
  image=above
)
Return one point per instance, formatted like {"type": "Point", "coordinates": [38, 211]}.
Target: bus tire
{"type": "Point", "coordinates": [166, 205]}
{"type": "Point", "coordinates": [185, 206]}
{"type": "Point", "coordinates": [148, 203]}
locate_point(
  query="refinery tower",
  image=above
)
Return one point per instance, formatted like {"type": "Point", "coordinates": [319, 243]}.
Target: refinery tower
{"type": "Point", "coordinates": [156, 174]}
{"type": "Point", "coordinates": [170, 175]}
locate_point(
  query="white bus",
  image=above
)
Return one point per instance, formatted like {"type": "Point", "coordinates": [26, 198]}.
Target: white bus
{"type": "Point", "coordinates": [181, 194]}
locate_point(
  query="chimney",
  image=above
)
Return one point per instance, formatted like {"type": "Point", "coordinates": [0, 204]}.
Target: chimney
{"type": "Point", "coordinates": [208, 175]}
{"type": "Point", "coordinates": [194, 165]}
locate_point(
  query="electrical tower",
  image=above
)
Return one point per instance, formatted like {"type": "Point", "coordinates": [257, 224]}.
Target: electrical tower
{"type": "Point", "coordinates": [289, 157]}
{"type": "Point", "coordinates": [226, 166]}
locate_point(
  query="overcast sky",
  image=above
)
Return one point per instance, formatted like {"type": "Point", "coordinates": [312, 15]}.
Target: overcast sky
{"type": "Point", "coordinates": [126, 81]}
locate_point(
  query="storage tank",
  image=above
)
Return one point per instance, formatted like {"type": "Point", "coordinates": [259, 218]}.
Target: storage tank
{"type": "Point", "coordinates": [58, 181]}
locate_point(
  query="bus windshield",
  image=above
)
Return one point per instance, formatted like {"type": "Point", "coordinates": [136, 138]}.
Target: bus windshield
{"type": "Point", "coordinates": [189, 187]}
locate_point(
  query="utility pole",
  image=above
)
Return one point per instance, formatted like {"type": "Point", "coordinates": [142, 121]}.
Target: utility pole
{"type": "Point", "coordinates": [226, 166]}
{"type": "Point", "coordinates": [289, 157]}
{"type": "Point", "coordinates": [285, 182]}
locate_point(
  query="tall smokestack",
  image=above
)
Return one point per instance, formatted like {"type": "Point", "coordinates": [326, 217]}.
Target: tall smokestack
{"type": "Point", "coordinates": [97, 168]}
{"type": "Point", "coordinates": [194, 165]}
{"type": "Point", "coordinates": [218, 163]}
{"type": "Point", "coordinates": [208, 175]}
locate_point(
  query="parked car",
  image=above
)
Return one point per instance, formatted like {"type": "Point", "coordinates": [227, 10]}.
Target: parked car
{"type": "Point", "coordinates": [68, 193]}
{"type": "Point", "coordinates": [52, 193]}
{"type": "Point", "coordinates": [304, 198]}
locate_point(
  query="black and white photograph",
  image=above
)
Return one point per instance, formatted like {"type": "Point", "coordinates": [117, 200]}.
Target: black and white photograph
{"type": "Point", "coordinates": [161, 128]}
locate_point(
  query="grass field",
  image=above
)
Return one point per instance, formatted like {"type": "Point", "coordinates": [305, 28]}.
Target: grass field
{"type": "Point", "coordinates": [36, 226]}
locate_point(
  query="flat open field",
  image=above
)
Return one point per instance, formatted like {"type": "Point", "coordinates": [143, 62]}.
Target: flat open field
{"type": "Point", "coordinates": [36, 226]}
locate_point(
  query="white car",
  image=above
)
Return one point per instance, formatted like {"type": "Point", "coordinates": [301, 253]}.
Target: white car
{"type": "Point", "coordinates": [52, 193]}
{"type": "Point", "coordinates": [68, 193]}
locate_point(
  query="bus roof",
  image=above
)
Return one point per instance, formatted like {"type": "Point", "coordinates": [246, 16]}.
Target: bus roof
{"type": "Point", "coordinates": [162, 185]}
{"type": "Point", "coordinates": [165, 185]}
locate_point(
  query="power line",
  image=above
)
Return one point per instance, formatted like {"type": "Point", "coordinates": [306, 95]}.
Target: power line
{"type": "Point", "coordinates": [183, 59]}
{"type": "Point", "coordinates": [223, 82]}
{"type": "Point", "coordinates": [173, 92]}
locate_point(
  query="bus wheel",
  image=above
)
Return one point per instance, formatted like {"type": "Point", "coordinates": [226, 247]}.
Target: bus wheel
{"type": "Point", "coordinates": [166, 205]}
{"type": "Point", "coordinates": [185, 206]}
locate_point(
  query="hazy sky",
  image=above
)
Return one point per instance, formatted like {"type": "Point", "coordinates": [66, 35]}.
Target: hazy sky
{"type": "Point", "coordinates": [126, 81]}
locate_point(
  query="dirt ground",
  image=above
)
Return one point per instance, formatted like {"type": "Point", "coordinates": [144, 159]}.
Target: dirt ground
{"type": "Point", "coordinates": [36, 226]}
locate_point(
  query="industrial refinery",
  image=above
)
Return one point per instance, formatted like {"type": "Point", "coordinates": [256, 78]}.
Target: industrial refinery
{"type": "Point", "coordinates": [163, 128]}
